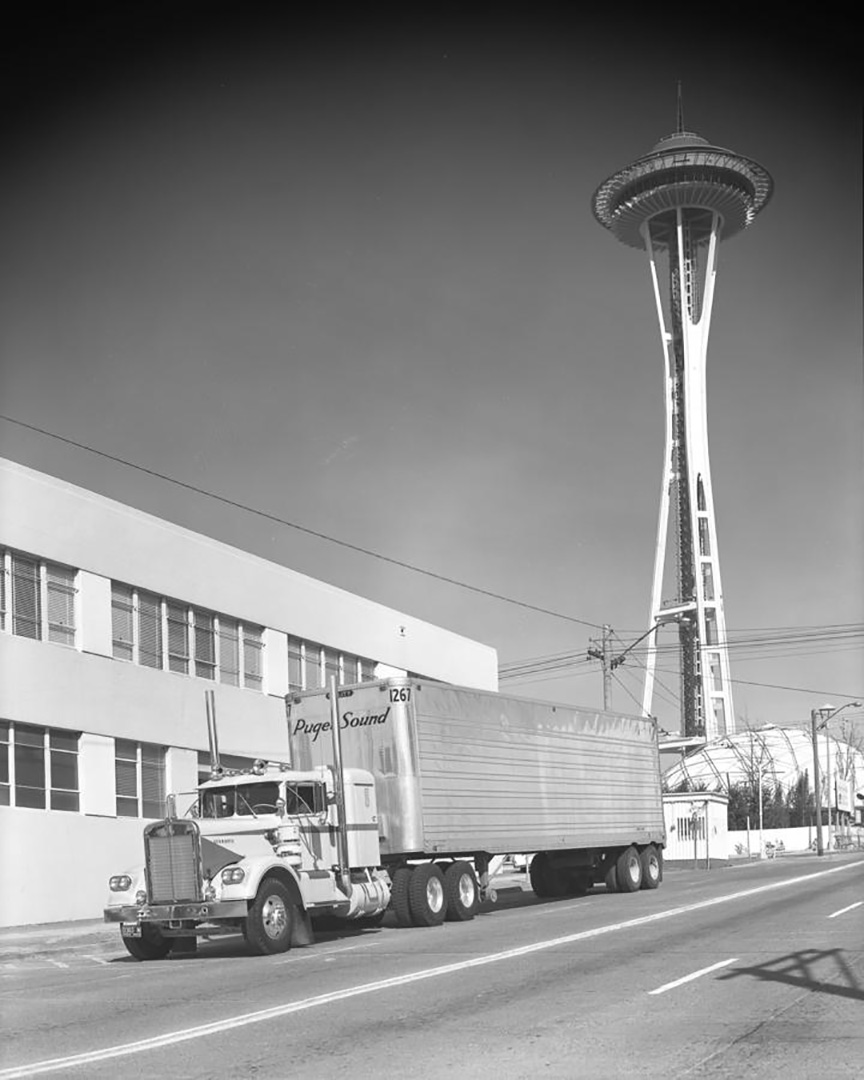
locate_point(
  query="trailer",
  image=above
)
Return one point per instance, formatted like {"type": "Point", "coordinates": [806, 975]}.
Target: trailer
{"type": "Point", "coordinates": [464, 775]}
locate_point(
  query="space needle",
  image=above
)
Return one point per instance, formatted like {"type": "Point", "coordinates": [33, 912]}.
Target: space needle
{"type": "Point", "coordinates": [677, 203]}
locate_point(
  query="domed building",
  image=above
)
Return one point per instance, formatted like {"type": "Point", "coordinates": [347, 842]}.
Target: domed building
{"type": "Point", "coordinates": [781, 755]}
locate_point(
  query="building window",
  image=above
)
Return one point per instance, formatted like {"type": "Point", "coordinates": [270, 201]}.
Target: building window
{"type": "Point", "coordinates": [139, 774]}
{"type": "Point", "coordinates": [158, 633]}
{"type": "Point", "coordinates": [205, 644]}
{"type": "Point", "coordinates": [312, 679]}
{"type": "Point", "coordinates": [295, 664]}
{"type": "Point", "coordinates": [38, 767]}
{"type": "Point", "coordinates": [229, 651]}
{"type": "Point", "coordinates": [178, 638]}
{"type": "Point", "coordinates": [122, 622]}
{"type": "Point", "coordinates": [5, 791]}
{"type": "Point", "coordinates": [331, 666]}
{"type": "Point", "coordinates": [37, 598]}
{"type": "Point", "coordinates": [307, 659]}
{"type": "Point", "coordinates": [26, 598]}
{"type": "Point", "coordinates": [253, 646]}
{"type": "Point", "coordinates": [63, 752]}
{"type": "Point", "coordinates": [150, 630]}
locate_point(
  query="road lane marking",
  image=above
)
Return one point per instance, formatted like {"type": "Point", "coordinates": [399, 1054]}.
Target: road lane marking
{"type": "Point", "coordinates": [843, 910]}
{"type": "Point", "coordinates": [693, 975]}
{"type": "Point", "coordinates": [218, 1027]}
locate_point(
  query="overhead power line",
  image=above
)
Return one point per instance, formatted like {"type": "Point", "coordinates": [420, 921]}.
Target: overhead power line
{"type": "Point", "coordinates": [301, 528]}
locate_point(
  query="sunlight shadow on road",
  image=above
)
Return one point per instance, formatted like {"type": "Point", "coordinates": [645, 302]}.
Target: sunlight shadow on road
{"type": "Point", "coordinates": [799, 969]}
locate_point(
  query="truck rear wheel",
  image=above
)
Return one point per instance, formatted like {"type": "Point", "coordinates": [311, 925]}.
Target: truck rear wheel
{"type": "Point", "coordinates": [461, 893]}
{"type": "Point", "coordinates": [628, 870]}
{"type": "Point", "coordinates": [652, 867]}
{"type": "Point", "coordinates": [399, 905]}
{"type": "Point", "coordinates": [150, 946]}
{"type": "Point", "coordinates": [269, 925]}
{"type": "Point", "coordinates": [426, 896]}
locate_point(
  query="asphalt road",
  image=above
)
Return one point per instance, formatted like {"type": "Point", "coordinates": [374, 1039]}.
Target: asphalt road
{"type": "Point", "coordinates": [755, 971]}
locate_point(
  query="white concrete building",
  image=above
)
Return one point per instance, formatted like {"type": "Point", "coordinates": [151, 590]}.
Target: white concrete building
{"type": "Point", "coordinates": [113, 624]}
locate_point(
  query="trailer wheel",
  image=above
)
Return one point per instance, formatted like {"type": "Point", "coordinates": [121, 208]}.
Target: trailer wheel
{"type": "Point", "coordinates": [399, 904]}
{"type": "Point", "coordinates": [461, 892]}
{"type": "Point", "coordinates": [547, 882]}
{"type": "Point", "coordinates": [426, 896]}
{"type": "Point", "coordinates": [652, 867]}
{"type": "Point", "coordinates": [611, 878]}
{"type": "Point", "coordinates": [628, 870]}
{"type": "Point", "coordinates": [269, 925]}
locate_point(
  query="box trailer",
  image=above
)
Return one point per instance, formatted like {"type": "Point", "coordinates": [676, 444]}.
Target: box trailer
{"type": "Point", "coordinates": [464, 775]}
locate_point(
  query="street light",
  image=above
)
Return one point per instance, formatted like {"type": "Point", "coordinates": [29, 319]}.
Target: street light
{"type": "Point", "coordinates": [824, 714]}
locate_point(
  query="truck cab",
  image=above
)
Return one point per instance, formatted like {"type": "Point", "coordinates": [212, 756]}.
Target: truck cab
{"type": "Point", "coordinates": [258, 852]}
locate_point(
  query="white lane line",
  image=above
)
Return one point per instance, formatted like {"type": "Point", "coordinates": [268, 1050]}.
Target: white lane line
{"type": "Point", "coordinates": [231, 1023]}
{"type": "Point", "coordinates": [843, 910]}
{"type": "Point", "coordinates": [693, 975]}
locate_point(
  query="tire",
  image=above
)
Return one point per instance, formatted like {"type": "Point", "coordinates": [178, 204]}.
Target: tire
{"type": "Point", "coordinates": [399, 903]}
{"type": "Point", "coordinates": [546, 882]}
{"type": "Point", "coordinates": [652, 867]}
{"type": "Point", "coordinates": [150, 946]}
{"type": "Point", "coordinates": [269, 925]}
{"type": "Point", "coordinates": [628, 870]}
{"type": "Point", "coordinates": [426, 896]}
{"type": "Point", "coordinates": [461, 894]}
{"type": "Point", "coordinates": [611, 878]}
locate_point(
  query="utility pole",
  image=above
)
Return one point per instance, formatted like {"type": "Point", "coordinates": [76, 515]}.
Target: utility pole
{"type": "Point", "coordinates": [817, 781]}
{"type": "Point", "coordinates": [599, 650]}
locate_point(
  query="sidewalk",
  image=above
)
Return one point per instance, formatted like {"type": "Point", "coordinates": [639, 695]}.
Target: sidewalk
{"type": "Point", "coordinates": [25, 942]}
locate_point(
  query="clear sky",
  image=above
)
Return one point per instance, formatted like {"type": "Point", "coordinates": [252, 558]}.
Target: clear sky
{"type": "Point", "coordinates": [345, 271]}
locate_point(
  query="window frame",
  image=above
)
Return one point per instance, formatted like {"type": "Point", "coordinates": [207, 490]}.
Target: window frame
{"type": "Point", "coordinates": [141, 765]}
{"type": "Point", "coordinates": [45, 745]}
{"type": "Point", "coordinates": [44, 586]}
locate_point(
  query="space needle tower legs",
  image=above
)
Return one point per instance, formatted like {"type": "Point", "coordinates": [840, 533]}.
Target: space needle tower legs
{"type": "Point", "coordinates": [676, 203]}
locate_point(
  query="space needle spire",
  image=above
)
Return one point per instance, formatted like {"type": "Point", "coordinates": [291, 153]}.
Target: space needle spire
{"type": "Point", "coordinates": [677, 202]}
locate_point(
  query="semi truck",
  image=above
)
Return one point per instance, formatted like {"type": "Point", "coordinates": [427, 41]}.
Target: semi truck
{"type": "Point", "coordinates": [400, 794]}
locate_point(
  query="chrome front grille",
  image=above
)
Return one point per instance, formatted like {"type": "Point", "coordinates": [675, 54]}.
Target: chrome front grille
{"type": "Point", "coordinates": [173, 853]}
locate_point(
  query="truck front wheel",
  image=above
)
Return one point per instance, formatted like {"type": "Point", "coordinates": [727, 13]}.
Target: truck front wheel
{"type": "Point", "coordinates": [150, 946]}
{"type": "Point", "coordinates": [426, 895]}
{"type": "Point", "coordinates": [461, 893]}
{"type": "Point", "coordinates": [270, 922]}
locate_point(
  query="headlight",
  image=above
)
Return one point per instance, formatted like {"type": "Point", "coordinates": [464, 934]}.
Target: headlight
{"type": "Point", "coordinates": [233, 875]}
{"type": "Point", "coordinates": [120, 883]}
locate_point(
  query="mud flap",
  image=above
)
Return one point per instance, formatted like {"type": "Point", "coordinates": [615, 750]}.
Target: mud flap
{"type": "Point", "coordinates": [303, 934]}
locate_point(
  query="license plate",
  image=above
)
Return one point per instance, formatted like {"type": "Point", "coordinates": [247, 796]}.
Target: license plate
{"type": "Point", "coordinates": [130, 929]}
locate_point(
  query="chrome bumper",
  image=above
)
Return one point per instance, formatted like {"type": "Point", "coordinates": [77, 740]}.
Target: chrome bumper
{"type": "Point", "coordinates": [206, 911]}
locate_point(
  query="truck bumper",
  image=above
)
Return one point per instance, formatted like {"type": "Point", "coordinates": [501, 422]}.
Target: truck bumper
{"type": "Point", "coordinates": [211, 911]}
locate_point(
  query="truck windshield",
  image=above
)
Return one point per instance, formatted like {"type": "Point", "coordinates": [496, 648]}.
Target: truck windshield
{"type": "Point", "coordinates": [243, 800]}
